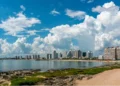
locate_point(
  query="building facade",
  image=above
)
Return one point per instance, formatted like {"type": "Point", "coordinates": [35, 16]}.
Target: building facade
{"type": "Point", "coordinates": [49, 56]}
{"type": "Point", "coordinates": [77, 54]}
{"type": "Point", "coordinates": [89, 54]}
{"type": "Point", "coordinates": [84, 54]}
{"type": "Point", "coordinates": [118, 53]}
{"type": "Point", "coordinates": [64, 54]}
{"type": "Point", "coordinates": [110, 53]}
{"type": "Point", "coordinates": [70, 54]}
{"type": "Point", "coordinates": [55, 55]}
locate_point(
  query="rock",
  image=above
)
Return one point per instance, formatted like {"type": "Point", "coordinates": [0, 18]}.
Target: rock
{"type": "Point", "coordinates": [89, 77]}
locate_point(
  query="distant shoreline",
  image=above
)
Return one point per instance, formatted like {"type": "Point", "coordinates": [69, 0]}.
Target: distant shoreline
{"type": "Point", "coordinates": [91, 60]}
{"type": "Point", "coordinates": [67, 60]}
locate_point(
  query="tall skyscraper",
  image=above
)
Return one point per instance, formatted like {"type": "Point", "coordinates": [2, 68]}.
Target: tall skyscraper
{"type": "Point", "coordinates": [78, 54]}
{"type": "Point", "coordinates": [38, 56]}
{"type": "Point", "coordinates": [89, 54]}
{"type": "Point", "coordinates": [84, 54]}
{"type": "Point", "coordinates": [70, 54]}
{"type": "Point", "coordinates": [55, 55]}
{"type": "Point", "coordinates": [33, 56]}
{"type": "Point", "coordinates": [61, 55]}
{"type": "Point", "coordinates": [49, 56]}
{"type": "Point", "coordinates": [64, 54]}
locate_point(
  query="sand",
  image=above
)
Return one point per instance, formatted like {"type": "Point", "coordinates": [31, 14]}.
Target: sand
{"type": "Point", "coordinates": [107, 61]}
{"type": "Point", "coordinates": [110, 77]}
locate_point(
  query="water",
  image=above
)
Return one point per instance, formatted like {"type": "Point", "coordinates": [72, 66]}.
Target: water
{"type": "Point", "coordinates": [44, 65]}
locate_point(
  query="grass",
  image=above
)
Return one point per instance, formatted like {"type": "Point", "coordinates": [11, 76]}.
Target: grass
{"type": "Point", "coordinates": [26, 81]}
{"type": "Point", "coordinates": [33, 79]}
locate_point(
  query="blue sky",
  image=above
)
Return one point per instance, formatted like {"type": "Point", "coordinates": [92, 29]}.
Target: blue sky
{"type": "Point", "coordinates": [41, 9]}
{"type": "Point", "coordinates": [56, 24]}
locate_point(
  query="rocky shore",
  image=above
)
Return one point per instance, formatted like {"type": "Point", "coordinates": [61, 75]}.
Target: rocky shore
{"type": "Point", "coordinates": [5, 77]}
{"type": "Point", "coordinates": [66, 80]}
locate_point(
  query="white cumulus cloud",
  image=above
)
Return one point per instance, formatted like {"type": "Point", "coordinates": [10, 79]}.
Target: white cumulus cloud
{"type": "Point", "coordinates": [14, 25]}
{"type": "Point", "coordinates": [110, 6]}
{"type": "Point", "coordinates": [54, 12]}
{"type": "Point", "coordinates": [22, 7]}
{"type": "Point", "coordinates": [75, 14]}
{"type": "Point", "coordinates": [90, 1]}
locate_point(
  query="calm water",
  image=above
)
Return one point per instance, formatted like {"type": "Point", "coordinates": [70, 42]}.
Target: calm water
{"type": "Point", "coordinates": [9, 65]}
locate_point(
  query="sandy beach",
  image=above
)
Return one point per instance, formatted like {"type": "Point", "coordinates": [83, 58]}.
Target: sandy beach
{"type": "Point", "coordinates": [107, 61]}
{"type": "Point", "coordinates": [110, 77]}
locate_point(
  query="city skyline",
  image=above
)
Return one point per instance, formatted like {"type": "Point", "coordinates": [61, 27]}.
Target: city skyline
{"type": "Point", "coordinates": [54, 55]}
{"type": "Point", "coordinates": [42, 26]}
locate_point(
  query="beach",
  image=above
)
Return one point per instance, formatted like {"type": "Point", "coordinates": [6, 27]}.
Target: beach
{"type": "Point", "coordinates": [89, 60]}
{"type": "Point", "coordinates": [110, 77]}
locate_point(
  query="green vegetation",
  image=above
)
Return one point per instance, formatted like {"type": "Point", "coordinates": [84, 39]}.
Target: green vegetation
{"type": "Point", "coordinates": [5, 84]}
{"type": "Point", "coordinates": [26, 81]}
{"type": "Point", "coordinates": [41, 76]}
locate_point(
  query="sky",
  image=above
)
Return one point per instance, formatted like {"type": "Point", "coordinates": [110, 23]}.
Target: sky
{"type": "Point", "coordinates": [41, 26]}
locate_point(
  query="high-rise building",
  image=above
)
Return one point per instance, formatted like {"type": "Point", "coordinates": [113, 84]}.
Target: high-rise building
{"type": "Point", "coordinates": [77, 54]}
{"type": "Point", "coordinates": [38, 56]}
{"type": "Point", "coordinates": [118, 53]}
{"type": "Point", "coordinates": [89, 54]}
{"type": "Point", "coordinates": [50, 56]}
{"type": "Point", "coordinates": [61, 55]}
{"type": "Point", "coordinates": [84, 54]}
{"type": "Point", "coordinates": [110, 53]}
{"type": "Point", "coordinates": [33, 56]}
{"type": "Point", "coordinates": [55, 55]}
{"type": "Point", "coordinates": [47, 56]}
{"type": "Point", "coordinates": [70, 54]}
{"type": "Point", "coordinates": [73, 52]}
{"type": "Point", "coordinates": [64, 54]}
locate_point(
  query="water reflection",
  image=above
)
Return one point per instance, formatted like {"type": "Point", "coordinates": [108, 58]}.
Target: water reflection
{"type": "Point", "coordinates": [8, 65]}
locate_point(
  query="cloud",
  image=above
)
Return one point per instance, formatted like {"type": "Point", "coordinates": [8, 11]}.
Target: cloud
{"type": "Point", "coordinates": [45, 29]}
{"type": "Point", "coordinates": [18, 47]}
{"type": "Point", "coordinates": [15, 25]}
{"type": "Point", "coordinates": [32, 32]}
{"type": "Point", "coordinates": [54, 12]}
{"type": "Point", "coordinates": [90, 1]}
{"type": "Point", "coordinates": [22, 7]}
{"type": "Point", "coordinates": [75, 14]}
{"type": "Point", "coordinates": [110, 6]}
{"type": "Point", "coordinates": [87, 1]}
{"type": "Point", "coordinates": [94, 33]}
